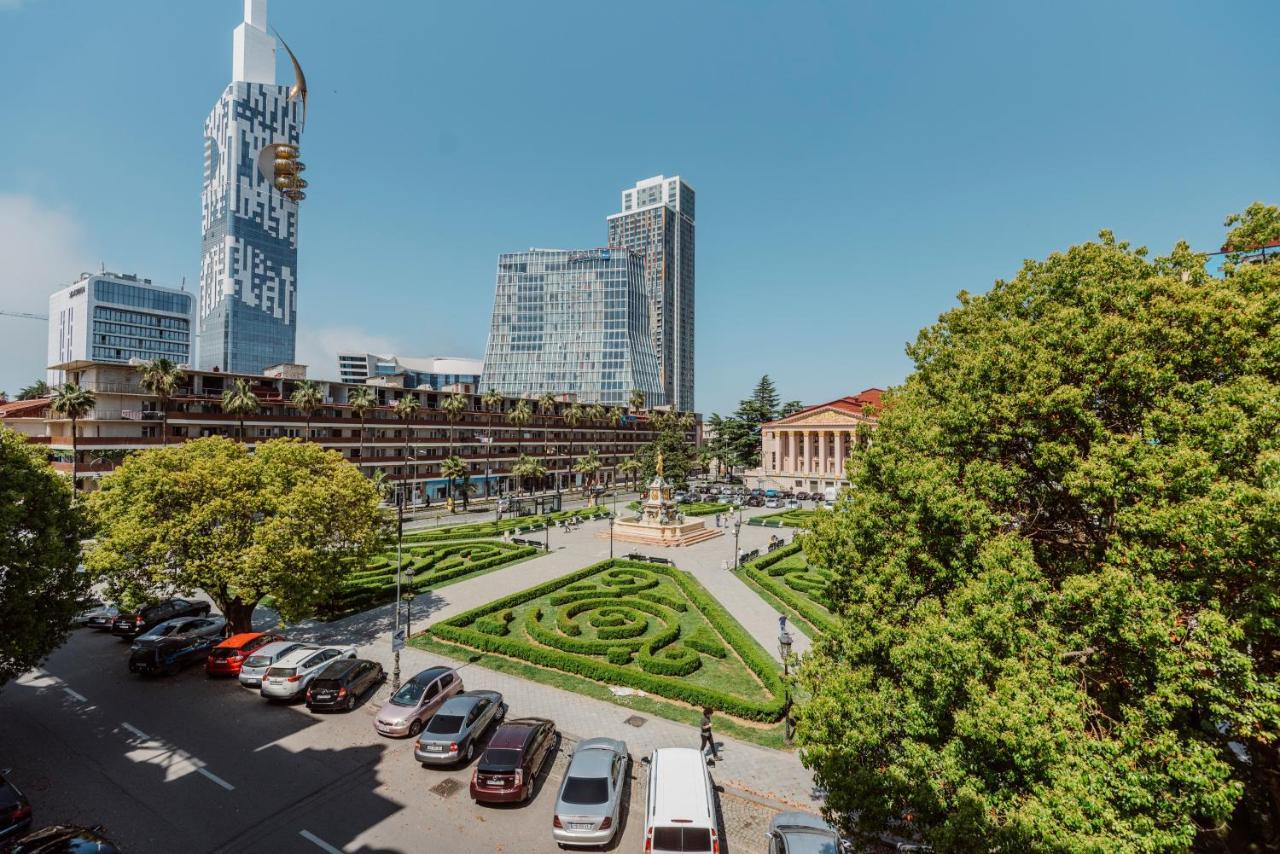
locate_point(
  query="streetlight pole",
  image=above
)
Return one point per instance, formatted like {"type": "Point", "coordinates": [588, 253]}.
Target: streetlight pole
{"type": "Point", "coordinates": [737, 528]}
{"type": "Point", "coordinates": [784, 648]}
{"type": "Point", "coordinates": [395, 637]}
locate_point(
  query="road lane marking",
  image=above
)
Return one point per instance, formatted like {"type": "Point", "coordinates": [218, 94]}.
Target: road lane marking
{"type": "Point", "coordinates": [75, 695]}
{"type": "Point", "coordinates": [215, 778]}
{"type": "Point", "coordinates": [133, 729]}
{"type": "Point", "coordinates": [318, 842]}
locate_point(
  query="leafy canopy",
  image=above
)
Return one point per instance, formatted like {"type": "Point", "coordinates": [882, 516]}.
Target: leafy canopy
{"type": "Point", "coordinates": [1057, 569]}
{"type": "Point", "coordinates": [40, 531]}
{"type": "Point", "coordinates": [284, 520]}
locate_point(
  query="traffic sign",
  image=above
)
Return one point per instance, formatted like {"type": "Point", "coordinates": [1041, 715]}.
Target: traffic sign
{"type": "Point", "coordinates": [397, 640]}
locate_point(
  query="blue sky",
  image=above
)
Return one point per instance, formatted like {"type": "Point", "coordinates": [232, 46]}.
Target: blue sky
{"type": "Point", "coordinates": [857, 164]}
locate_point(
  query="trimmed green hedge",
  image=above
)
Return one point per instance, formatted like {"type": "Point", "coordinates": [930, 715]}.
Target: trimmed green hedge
{"type": "Point", "coordinates": [493, 528]}
{"type": "Point", "coordinates": [694, 508]}
{"type": "Point", "coordinates": [759, 571]}
{"type": "Point", "coordinates": [787, 518]}
{"type": "Point", "coordinates": [661, 664]}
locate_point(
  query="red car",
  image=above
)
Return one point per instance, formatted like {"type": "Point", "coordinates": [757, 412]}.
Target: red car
{"type": "Point", "coordinates": [509, 766]}
{"type": "Point", "coordinates": [227, 657]}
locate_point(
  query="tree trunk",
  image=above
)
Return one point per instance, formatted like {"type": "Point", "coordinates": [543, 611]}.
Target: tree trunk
{"type": "Point", "coordinates": [164, 425]}
{"type": "Point", "coordinates": [75, 453]}
{"type": "Point", "coordinates": [239, 615]}
{"type": "Point", "coordinates": [362, 438]}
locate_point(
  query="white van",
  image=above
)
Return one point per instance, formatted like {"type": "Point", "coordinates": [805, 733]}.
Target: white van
{"type": "Point", "coordinates": [680, 812]}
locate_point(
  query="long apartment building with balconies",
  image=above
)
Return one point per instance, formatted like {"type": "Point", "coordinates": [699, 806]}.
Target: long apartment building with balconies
{"type": "Point", "coordinates": [126, 418]}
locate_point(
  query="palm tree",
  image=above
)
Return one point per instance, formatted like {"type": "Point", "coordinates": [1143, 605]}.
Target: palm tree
{"type": "Point", "coordinates": [35, 391]}
{"type": "Point", "coordinates": [453, 469]}
{"type": "Point", "coordinates": [529, 470]}
{"type": "Point", "coordinates": [239, 400]}
{"type": "Point", "coordinates": [595, 414]}
{"type": "Point", "coordinates": [573, 417]}
{"type": "Point", "coordinates": [546, 407]}
{"type": "Point", "coordinates": [307, 397]}
{"type": "Point", "coordinates": [453, 407]}
{"type": "Point", "coordinates": [160, 378]}
{"type": "Point", "coordinates": [588, 467]}
{"type": "Point", "coordinates": [492, 400]}
{"type": "Point", "coordinates": [362, 401]}
{"type": "Point", "coordinates": [520, 418]}
{"type": "Point", "coordinates": [631, 466]}
{"type": "Point", "coordinates": [406, 410]}
{"type": "Point", "coordinates": [71, 401]}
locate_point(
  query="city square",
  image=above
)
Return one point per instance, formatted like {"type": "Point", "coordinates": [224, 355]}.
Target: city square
{"type": "Point", "coordinates": [460, 493]}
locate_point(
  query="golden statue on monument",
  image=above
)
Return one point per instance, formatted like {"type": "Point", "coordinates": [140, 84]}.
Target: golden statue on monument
{"type": "Point", "coordinates": [658, 464]}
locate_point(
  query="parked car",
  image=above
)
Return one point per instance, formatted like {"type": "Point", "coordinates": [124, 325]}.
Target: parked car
{"type": "Point", "coordinates": [452, 732]}
{"type": "Point", "coordinates": [679, 811]}
{"type": "Point", "coordinates": [99, 616]}
{"type": "Point", "coordinates": [342, 682]}
{"type": "Point", "coordinates": [289, 677]}
{"type": "Point", "coordinates": [168, 655]}
{"type": "Point", "coordinates": [786, 493]}
{"type": "Point", "coordinates": [588, 808]}
{"type": "Point", "coordinates": [802, 495]}
{"type": "Point", "coordinates": [681, 497]}
{"type": "Point", "coordinates": [416, 701]}
{"type": "Point", "coordinates": [63, 839]}
{"type": "Point", "coordinates": [256, 665]}
{"type": "Point", "coordinates": [228, 657]}
{"type": "Point", "coordinates": [755, 501]}
{"type": "Point", "coordinates": [773, 503]}
{"type": "Point", "coordinates": [184, 627]}
{"type": "Point", "coordinates": [713, 490]}
{"type": "Point", "coordinates": [792, 504]}
{"type": "Point", "coordinates": [771, 493]}
{"type": "Point", "coordinates": [802, 832]}
{"type": "Point", "coordinates": [757, 491]}
{"type": "Point", "coordinates": [509, 766]}
{"type": "Point", "coordinates": [15, 812]}
{"type": "Point", "coordinates": [135, 623]}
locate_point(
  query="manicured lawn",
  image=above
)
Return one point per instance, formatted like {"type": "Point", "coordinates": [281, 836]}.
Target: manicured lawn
{"type": "Point", "coordinates": [787, 518]}
{"type": "Point", "coordinates": [621, 622]}
{"type": "Point", "coordinates": [433, 565]}
{"type": "Point", "coordinates": [786, 577]}
{"type": "Point", "coordinates": [497, 529]}
{"type": "Point", "coordinates": [694, 508]}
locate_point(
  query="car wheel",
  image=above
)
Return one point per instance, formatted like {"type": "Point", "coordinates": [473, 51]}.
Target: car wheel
{"type": "Point", "coordinates": [471, 752]}
{"type": "Point", "coordinates": [351, 702]}
{"type": "Point", "coordinates": [414, 729]}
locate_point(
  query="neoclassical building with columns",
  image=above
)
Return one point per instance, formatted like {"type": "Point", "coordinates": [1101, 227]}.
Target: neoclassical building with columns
{"type": "Point", "coordinates": [807, 449]}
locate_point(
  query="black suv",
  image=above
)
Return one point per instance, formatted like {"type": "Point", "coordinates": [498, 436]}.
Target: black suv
{"type": "Point", "coordinates": [130, 625]}
{"type": "Point", "coordinates": [342, 682]}
{"type": "Point", "coordinates": [169, 655]}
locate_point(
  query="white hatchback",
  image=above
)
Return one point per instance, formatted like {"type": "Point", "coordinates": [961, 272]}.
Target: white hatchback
{"type": "Point", "coordinates": [288, 678]}
{"type": "Point", "coordinates": [256, 665]}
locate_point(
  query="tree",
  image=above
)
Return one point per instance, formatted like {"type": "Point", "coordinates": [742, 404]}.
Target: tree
{"type": "Point", "coordinates": [589, 468]}
{"type": "Point", "coordinates": [1057, 575]}
{"type": "Point", "coordinates": [288, 520]}
{"type": "Point", "coordinates": [572, 418]}
{"type": "Point", "coordinates": [73, 402]}
{"type": "Point", "coordinates": [673, 441]}
{"type": "Point", "coordinates": [519, 418]}
{"type": "Point", "coordinates": [453, 407]}
{"type": "Point", "coordinates": [407, 409]}
{"type": "Point", "coordinates": [492, 401]}
{"type": "Point", "coordinates": [454, 469]}
{"type": "Point", "coordinates": [547, 408]}
{"type": "Point", "coordinates": [160, 378]}
{"type": "Point", "coordinates": [1258, 226]}
{"type": "Point", "coordinates": [35, 391]}
{"type": "Point", "coordinates": [636, 400]}
{"type": "Point", "coordinates": [630, 467]}
{"type": "Point", "coordinates": [41, 526]}
{"type": "Point", "coordinates": [239, 401]}
{"type": "Point", "coordinates": [307, 397]}
{"type": "Point", "coordinates": [791, 407]}
{"type": "Point", "coordinates": [529, 470]}
{"type": "Point", "coordinates": [362, 401]}
{"type": "Point", "coordinates": [596, 414]}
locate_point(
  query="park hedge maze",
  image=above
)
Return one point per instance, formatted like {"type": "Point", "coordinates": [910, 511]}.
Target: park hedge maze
{"type": "Point", "coordinates": [514, 524]}
{"type": "Point", "coordinates": [787, 518]}
{"type": "Point", "coordinates": [786, 575]}
{"type": "Point", "coordinates": [432, 564]}
{"type": "Point", "coordinates": [627, 623]}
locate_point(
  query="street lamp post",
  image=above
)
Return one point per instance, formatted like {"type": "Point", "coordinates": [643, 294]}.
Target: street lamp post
{"type": "Point", "coordinates": [737, 528]}
{"type": "Point", "coordinates": [408, 604]}
{"type": "Point", "coordinates": [546, 533]}
{"type": "Point", "coordinates": [395, 637]}
{"type": "Point", "coordinates": [784, 647]}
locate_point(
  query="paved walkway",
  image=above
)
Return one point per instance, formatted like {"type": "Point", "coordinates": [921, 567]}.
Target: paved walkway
{"type": "Point", "coordinates": [759, 771]}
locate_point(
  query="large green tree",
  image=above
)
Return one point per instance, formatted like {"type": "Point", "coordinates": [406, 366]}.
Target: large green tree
{"type": "Point", "coordinates": [286, 519]}
{"type": "Point", "coordinates": [40, 530]}
{"type": "Point", "coordinates": [678, 458]}
{"type": "Point", "coordinates": [1057, 572]}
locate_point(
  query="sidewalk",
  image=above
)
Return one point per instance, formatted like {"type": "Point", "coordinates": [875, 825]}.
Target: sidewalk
{"type": "Point", "coordinates": [757, 771]}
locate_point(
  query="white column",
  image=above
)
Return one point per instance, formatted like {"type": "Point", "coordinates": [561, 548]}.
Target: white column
{"type": "Point", "coordinates": [822, 452]}
{"type": "Point", "coordinates": [842, 450]}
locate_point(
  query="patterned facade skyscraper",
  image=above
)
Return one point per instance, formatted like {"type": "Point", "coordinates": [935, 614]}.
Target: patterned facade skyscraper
{"type": "Point", "coordinates": [572, 322]}
{"type": "Point", "coordinates": [657, 220]}
{"type": "Point", "coordinates": [249, 209]}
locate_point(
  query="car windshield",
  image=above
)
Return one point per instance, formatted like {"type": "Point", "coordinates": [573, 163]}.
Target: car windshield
{"type": "Point", "coordinates": [585, 790]}
{"type": "Point", "coordinates": [408, 695]}
{"type": "Point", "coordinates": [161, 630]}
{"type": "Point", "coordinates": [445, 724]}
{"type": "Point", "coordinates": [224, 652]}
{"type": "Point", "coordinates": [282, 671]}
{"type": "Point", "coordinates": [500, 759]}
{"type": "Point", "coordinates": [258, 661]}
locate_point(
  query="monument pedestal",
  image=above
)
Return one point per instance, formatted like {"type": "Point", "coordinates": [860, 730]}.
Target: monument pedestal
{"type": "Point", "coordinates": [660, 523]}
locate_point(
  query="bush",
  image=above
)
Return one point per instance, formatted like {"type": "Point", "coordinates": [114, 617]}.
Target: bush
{"type": "Point", "coordinates": [765, 572]}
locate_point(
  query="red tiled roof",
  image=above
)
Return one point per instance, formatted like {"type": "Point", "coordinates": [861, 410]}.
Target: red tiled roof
{"type": "Point", "coordinates": [854, 404]}
{"type": "Point", "coordinates": [23, 408]}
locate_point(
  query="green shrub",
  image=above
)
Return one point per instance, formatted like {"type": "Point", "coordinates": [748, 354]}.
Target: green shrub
{"type": "Point", "coordinates": [765, 572]}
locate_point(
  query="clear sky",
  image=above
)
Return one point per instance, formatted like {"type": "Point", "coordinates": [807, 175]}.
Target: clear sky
{"type": "Point", "coordinates": [856, 164]}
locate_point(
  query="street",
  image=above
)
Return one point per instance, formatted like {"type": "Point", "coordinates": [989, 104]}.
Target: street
{"type": "Point", "coordinates": [194, 764]}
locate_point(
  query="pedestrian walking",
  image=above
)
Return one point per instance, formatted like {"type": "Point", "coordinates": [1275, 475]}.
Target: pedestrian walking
{"type": "Point", "coordinates": [717, 520]}
{"type": "Point", "coordinates": [707, 739]}
{"type": "Point", "coordinates": [782, 623]}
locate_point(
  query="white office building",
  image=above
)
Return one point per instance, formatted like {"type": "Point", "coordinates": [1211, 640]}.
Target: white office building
{"type": "Point", "coordinates": [431, 372]}
{"type": "Point", "coordinates": [113, 317]}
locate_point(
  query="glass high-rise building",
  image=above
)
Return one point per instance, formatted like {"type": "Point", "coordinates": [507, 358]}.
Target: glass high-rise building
{"type": "Point", "coordinates": [249, 262]}
{"type": "Point", "coordinates": [657, 220]}
{"type": "Point", "coordinates": [572, 322]}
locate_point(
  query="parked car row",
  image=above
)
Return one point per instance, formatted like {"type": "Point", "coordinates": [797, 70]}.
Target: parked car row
{"type": "Point", "coordinates": [17, 837]}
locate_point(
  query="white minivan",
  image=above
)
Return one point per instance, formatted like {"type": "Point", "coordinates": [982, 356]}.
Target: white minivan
{"type": "Point", "coordinates": [680, 812]}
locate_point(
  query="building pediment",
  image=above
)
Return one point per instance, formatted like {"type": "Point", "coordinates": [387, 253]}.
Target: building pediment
{"type": "Point", "coordinates": [823, 416]}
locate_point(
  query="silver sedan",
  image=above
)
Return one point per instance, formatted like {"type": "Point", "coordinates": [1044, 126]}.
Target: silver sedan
{"type": "Point", "coordinates": [452, 732]}
{"type": "Point", "coordinates": [803, 833]}
{"type": "Point", "coordinates": [589, 805]}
